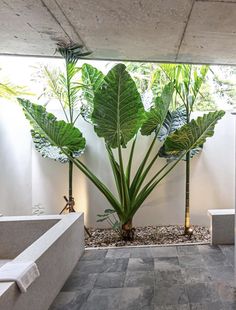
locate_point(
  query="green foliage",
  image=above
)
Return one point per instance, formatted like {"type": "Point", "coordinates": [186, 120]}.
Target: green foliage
{"type": "Point", "coordinates": [151, 79]}
{"type": "Point", "coordinates": [224, 84]}
{"type": "Point", "coordinates": [110, 217]}
{"type": "Point", "coordinates": [92, 79]}
{"type": "Point", "coordinates": [118, 109]}
{"type": "Point", "coordinates": [188, 81]}
{"type": "Point", "coordinates": [118, 116]}
{"type": "Point", "coordinates": [60, 134]}
{"type": "Point", "coordinates": [155, 118]}
{"type": "Point", "coordinates": [193, 134]}
{"type": "Point", "coordinates": [174, 120]}
{"type": "Point", "coordinates": [10, 91]}
{"type": "Point", "coordinates": [65, 87]}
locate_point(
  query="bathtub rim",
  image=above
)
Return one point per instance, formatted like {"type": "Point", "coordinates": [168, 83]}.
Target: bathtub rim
{"type": "Point", "coordinates": [39, 246]}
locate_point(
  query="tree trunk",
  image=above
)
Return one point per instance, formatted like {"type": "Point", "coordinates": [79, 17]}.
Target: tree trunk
{"type": "Point", "coordinates": [128, 231]}
{"type": "Point", "coordinates": [71, 201]}
{"type": "Point", "coordinates": [187, 196]}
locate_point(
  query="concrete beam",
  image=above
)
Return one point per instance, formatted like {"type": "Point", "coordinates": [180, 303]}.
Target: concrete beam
{"type": "Point", "coordinates": [210, 35]}
{"type": "Point", "coordinates": [195, 31]}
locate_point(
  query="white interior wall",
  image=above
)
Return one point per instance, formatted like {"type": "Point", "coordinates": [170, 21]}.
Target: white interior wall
{"type": "Point", "coordinates": [28, 180]}
{"type": "Point", "coordinates": [15, 161]}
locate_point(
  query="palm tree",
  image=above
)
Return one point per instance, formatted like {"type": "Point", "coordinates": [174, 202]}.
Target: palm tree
{"type": "Point", "coordinates": [187, 80]}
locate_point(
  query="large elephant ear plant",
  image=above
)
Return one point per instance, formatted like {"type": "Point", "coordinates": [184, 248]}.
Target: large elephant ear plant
{"type": "Point", "coordinates": [118, 116]}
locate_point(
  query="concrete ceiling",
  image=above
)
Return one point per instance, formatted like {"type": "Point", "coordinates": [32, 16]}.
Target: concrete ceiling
{"type": "Point", "coordinates": [195, 31]}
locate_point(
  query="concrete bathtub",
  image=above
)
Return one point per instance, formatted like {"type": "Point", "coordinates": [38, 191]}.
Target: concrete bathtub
{"type": "Point", "coordinates": [54, 243]}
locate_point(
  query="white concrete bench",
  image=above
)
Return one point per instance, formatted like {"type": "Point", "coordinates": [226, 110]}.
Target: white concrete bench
{"type": "Point", "coordinates": [222, 226]}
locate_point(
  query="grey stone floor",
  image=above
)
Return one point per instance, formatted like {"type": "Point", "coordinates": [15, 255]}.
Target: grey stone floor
{"type": "Point", "coordinates": [157, 278]}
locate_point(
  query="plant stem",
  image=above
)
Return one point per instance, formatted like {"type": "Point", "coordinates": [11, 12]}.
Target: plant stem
{"type": "Point", "coordinates": [104, 190]}
{"type": "Point", "coordinates": [69, 93]}
{"type": "Point", "coordinates": [143, 176]}
{"type": "Point", "coordinates": [150, 186]}
{"type": "Point", "coordinates": [125, 193]}
{"type": "Point", "coordinates": [141, 167]}
{"type": "Point", "coordinates": [187, 194]}
{"type": "Point", "coordinates": [187, 174]}
{"type": "Point", "coordinates": [70, 179]}
{"type": "Point", "coordinates": [127, 230]}
{"type": "Point", "coordinates": [76, 119]}
{"type": "Point", "coordinates": [128, 170]}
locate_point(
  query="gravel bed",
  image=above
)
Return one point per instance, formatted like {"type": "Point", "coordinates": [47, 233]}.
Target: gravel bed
{"type": "Point", "coordinates": [149, 235]}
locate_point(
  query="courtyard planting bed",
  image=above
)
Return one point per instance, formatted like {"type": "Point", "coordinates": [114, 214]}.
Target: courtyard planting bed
{"type": "Point", "coordinates": [149, 235]}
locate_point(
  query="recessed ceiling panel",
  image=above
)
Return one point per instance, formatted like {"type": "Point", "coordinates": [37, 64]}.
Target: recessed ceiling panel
{"type": "Point", "coordinates": [28, 28]}
{"type": "Point", "coordinates": [129, 29]}
{"type": "Point", "coordinates": [210, 35]}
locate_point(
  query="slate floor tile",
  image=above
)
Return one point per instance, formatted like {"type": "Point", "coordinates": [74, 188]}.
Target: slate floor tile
{"type": "Point", "coordinates": [216, 259]}
{"type": "Point", "coordinates": [186, 261]}
{"type": "Point", "coordinates": [141, 264]}
{"type": "Point", "coordinates": [94, 254]}
{"type": "Point", "coordinates": [173, 295]}
{"type": "Point", "coordinates": [168, 278]}
{"type": "Point", "coordinates": [78, 281]}
{"type": "Point", "coordinates": [115, 265]}
{"type": "Point", "coordinates": [227, 293]}
{"type": "Point", "coordinates": [136, 298]}
{"type": "Point", "coordinates": [166, 263]}
{"type": "Point", "coordinates": [156, 278]}
{"type": "Point", "coordinates": [62, 299]}
{"type": "Point", "coordinates": [201, 293]}
{"type": "Point", "coordinates": [140, 252]}
{"type": "Point", "coordinates": [222, 274]}
{"type": "Point", "coordinates": [90, 266]}
{"type": "Point", "coordinates": [217, 305]}
{"type": "Point", "coordinates": [208, 249]}
{"type": "Point", "coordinates": [168, 251]}
{"type": "Point", "coordinates": [229, 306]}
{"type": "Point", "coordinates": [187, 250]}
{"type": "Point", "coordinates": [70, 300]}
{"type": "Point", "coordinates": [229, 252]}
{"type": "Point", "coordinates": [194, 275]}
{"type": "Point", "coordinates": [110, 280]}
{"type": "Point", "coordinates": [139, 278]}
{"type": "Point", "coordinates": [173, 307]}
{"type": "Point", "coordinates": [118, 253]}
{"type": "Point", "coordinates": [227, 248]}
{"type": "Point", "coordinates": [103, 299]}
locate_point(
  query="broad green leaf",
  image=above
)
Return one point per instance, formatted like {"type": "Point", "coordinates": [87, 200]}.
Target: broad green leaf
{"type": "Point", "coordinates": [174, 120]}
{"type": "Point", "coordinates": [155, 118]}
{"type": "Point", "coordinates": [92, 79]}
{"type": "Point", "coordinates": [47, 150]}
{"type": "Point", "coordinates": [118, 109]}
{"type": "Point", "coordinates": [193, 134]}
{"type": "Point", "coordinates": [58, 133]}
{"type": "Point", "coordinates": [171, 157]}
